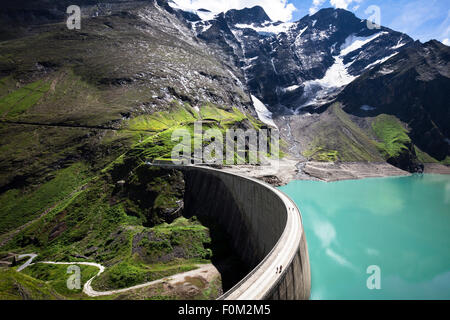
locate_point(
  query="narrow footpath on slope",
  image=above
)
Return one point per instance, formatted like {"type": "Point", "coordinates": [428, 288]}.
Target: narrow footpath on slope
{"type": "Point", "coordinates": [203, 270]}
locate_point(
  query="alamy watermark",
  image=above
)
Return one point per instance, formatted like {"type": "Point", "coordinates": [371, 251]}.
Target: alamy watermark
{"type": "Point", "coordinates": [230, 147]}
{"type": "Point", "coordinates": [374, 21]}
{"type": "Point", "coordinates": [374, 280]}
{"type": "Point", "coordinates": [74, 281]}
{"type": "Point", "coordinates": [74, 20]}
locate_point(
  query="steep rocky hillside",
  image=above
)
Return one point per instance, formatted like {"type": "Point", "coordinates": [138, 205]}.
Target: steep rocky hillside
{"type": "Point", "coordinates": [297, 69]}
{"type": "Point", "coordinates": [99, 86]}
{"type": "Point", "coordinates": [81, 115]}
{"type": "Point", "coordinates": [302, 67]}
{"type": "Point", "coordinates": [413, 86]}
{"type": "Point", "coordinates": [294, 65]}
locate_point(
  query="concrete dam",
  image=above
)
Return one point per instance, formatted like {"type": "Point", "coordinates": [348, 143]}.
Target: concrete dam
{"type": "Point", "coordinates": [265, 228]}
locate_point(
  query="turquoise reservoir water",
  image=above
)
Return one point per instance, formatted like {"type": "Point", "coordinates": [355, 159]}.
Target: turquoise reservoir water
{"type": "Point", "coordinates": [401, 225]}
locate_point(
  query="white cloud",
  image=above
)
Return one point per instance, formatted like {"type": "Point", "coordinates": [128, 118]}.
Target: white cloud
{"type": "Point", "coordinates": [275, 9]}
{"type": "Point", "coordinates": [444, 29]}
{"type": "Point", "coordinates": [324, 230]}
{"type": "Point", "coordinates": [343, 4]}
{"type": "Point", "coordinates": [340, 259]}
{"type": "Point", "coordinates": [316, 4]}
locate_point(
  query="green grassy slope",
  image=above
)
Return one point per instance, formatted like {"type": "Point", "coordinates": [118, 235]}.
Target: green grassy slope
{"type": "Point", "coordinates": [42, 282]}
{"type": "Point", "coordinates": [19, 207]}
{"type": "Point", "coordinates": [341, 137]}
{"type": "Point", "coordinates": [338, 138]}
{"type": "Point", "coordinates": [56, 276]}
{"type": "Point", "coordinates": [18, 286]}
{"type": "Point", "coordinates": [80, 112]}
{"type": "Point", "coordinates": [392, 135]}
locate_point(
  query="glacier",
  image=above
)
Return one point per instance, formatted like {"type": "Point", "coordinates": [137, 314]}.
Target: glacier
{"type": "Point", "coordinates": [263, 113]}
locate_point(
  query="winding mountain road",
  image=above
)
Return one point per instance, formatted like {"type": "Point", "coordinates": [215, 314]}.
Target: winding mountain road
{"type": "Point", "coordinates": [89, 291]}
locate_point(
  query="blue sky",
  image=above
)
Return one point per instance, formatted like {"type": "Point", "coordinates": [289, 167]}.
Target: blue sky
{"type": "Point", "coordinates": [421, 19]}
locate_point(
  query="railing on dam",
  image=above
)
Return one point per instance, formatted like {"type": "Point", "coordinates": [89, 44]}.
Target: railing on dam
{"type": "Point", "coordinates": [265, 227]}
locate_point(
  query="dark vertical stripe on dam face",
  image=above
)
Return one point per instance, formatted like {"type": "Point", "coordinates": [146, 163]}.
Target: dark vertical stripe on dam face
{"type": "Point", "coordinates": [254, 217]}
{"type": "Point", "coordinates": [208, 196]}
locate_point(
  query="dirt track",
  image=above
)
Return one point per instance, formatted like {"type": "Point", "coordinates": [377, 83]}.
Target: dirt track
{"type": "Point", "coordinates": [205, 271]}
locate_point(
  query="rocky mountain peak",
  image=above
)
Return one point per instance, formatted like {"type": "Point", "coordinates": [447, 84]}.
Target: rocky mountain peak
{"type": "Point", "coordinates": [413, 86]}
{"type": "Point", "coordinates": [435, 44]}
{"type": "Point", "coordinates": [332, 13]}
{"type": "Point", "coordinates": [293, 65]}
{"type": "Point", "coordinates": [254, 15]}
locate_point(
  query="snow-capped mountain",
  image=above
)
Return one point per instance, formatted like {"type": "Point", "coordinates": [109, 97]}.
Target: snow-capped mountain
{"type": "Point", "coordinates": [287, 74]}
{"type": "Point", "coordinates": [295, 68]}
{"type": "Point", "coordinates": [289, 66]}
{"type": "Point", "coordinates": [414, 86]}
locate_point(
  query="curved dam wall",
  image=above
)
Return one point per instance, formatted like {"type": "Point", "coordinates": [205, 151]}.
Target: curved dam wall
{"type": "Point", "coordinates": [265, 229]}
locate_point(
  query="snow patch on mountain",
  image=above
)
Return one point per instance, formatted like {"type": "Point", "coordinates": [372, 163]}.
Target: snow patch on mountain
{"type": "Point", "coordinates": [319, 35]}
{"type": "Point", "coordinates": [238, 82]}
{"type": "Point", "coordinates": [203, 14]}
{"type": "Point", "coordinates": [291, 88]}
{"type": "Point", "coordinates": [206, 15]}
{"type": "Point", "coordinates": [201, 26]}
{"type": "Point", "coordinates": [380, 61]}
{"type": "Point", "coordinates": [263, 113]}
{"type": "Point", "coordinates": [337, 75]}
{"type": "Point", "coordinates": [367, 108]}
{"type": "Point", "coordinates": [302, 31]}
{"type": "Point", "coordinates": [320, 91]}
{"type": "Point", "coordinates": [353, 43]}
{"type": "Point", "coordinates": [267, 28]}
{"type": "Point", "coordinates": [317, 92]}
{"type": "Point", "coordinates": [386, 71]}
{"type": "Point", "coordinates": [250, 60]}
{"type": "Point", "coordinates": [399, 44]}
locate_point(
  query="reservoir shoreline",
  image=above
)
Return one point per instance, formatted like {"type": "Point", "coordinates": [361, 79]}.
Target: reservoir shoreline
{"type": "Point", "coordinates": [290, 169]}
